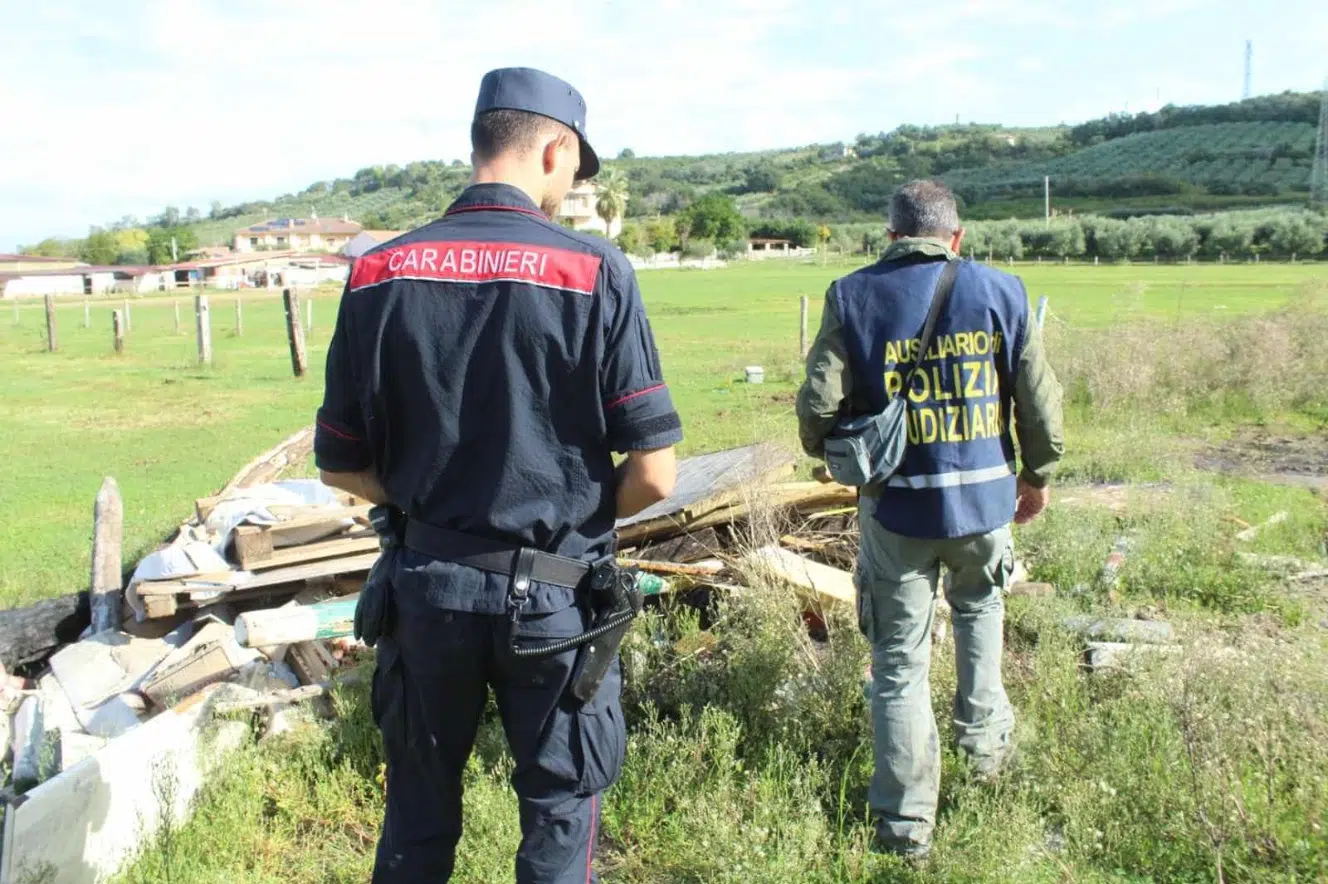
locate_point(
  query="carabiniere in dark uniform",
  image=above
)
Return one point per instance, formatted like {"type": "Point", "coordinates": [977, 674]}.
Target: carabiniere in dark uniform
{"type": "Point", "coordinates": [484, 368]}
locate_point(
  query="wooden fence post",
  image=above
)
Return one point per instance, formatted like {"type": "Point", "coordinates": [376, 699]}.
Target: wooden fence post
{"type": "Point", "coordinates": [87, 314]}
{"type": "Point", "coordinates": [177, 316]}
{"type": "Point", "coordinates": [117, 328]}
{"type": "Point", "coordinates": [107, 525]}
{"type": "Point", "coordinates": [802, 334]}
{"type": "Point", "coordinates": [51, 342]}
{"type": "Point", "coordinates": [294, 331]}
{"type": "Point", "coordinates": [239, 319]}
{"type": "Point", "coordinates": [204, 318]}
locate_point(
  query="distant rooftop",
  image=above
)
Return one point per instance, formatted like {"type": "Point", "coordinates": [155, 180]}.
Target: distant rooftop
{"type": "Point", "coordinates": [305, 226]}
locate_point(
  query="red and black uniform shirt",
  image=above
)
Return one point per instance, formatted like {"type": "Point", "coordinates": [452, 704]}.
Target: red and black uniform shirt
{"type": "Point", "coordinates": [485, 366]}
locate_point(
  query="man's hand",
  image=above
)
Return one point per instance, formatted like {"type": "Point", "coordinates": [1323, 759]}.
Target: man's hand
{"type": "Point", "coordinates": [1029, 501]}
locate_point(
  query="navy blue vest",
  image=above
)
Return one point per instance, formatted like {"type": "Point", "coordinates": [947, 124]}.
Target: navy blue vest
{"type": "Point", "coordinates": [958, 473]}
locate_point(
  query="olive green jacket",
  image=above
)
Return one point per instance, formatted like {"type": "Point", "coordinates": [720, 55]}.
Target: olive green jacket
{"type": "Point", "coordinates": [1038, 421]}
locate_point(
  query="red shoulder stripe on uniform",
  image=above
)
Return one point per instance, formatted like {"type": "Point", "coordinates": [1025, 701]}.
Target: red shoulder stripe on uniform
{"type": "Point", "coordinates": [477, 262]}
{"type": "Point", "coordinates": [622, 400]}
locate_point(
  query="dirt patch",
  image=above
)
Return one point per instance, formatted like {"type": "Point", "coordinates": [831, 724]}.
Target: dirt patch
{"type": "Point", "coordinates": [1273, 457]}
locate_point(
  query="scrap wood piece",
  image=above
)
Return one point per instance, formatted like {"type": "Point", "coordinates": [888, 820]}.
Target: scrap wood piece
{"type": "Point", "coordinates": [1253, 531]}
{"type": "Point", "coordinates": [269, 465]}
{"type": "Point", "coordinates": [107, 529]}
{"type": "Point", "coordinates": [827, 548]}
{"type": "Point", "coordinates": [701, 569]}
{"type": "Point", "coordinates": [286, 697]}
{"type": "Point", "coordinates": [30, 633]}
{"type": "Point", "coordinates": [295, 574]}
{"type": "Point", "coordinates": [827, 583]}
{"type": "Point", "coordinates": [360, 541]}
{"type": "Point", "coordinates": [684, 549]}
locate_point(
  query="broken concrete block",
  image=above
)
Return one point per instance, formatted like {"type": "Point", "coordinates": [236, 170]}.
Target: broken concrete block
{"type": "Point", "coordinates": [1110, 629]}
{"type": "Point", "coordinates": [212, 655]}
{"type": "Point", "coordinates": [1119, 655]}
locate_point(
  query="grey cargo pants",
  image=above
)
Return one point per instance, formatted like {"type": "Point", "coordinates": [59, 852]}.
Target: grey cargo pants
{"type": "Point", "coordinates": [897, 582]}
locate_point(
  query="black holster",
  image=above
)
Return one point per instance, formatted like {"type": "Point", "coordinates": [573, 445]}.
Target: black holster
{"type": "Point", "coordinates": [374, 615]}
{"type": "Point", "coordinates": [614, 603]}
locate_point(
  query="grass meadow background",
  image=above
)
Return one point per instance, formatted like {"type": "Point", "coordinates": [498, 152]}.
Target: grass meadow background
{"type": "Point", "coordinates": [750, 745]}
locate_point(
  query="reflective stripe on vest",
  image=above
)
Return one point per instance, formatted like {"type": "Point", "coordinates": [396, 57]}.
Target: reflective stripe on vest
{"type": "Point", "coordinates": [951, 480]}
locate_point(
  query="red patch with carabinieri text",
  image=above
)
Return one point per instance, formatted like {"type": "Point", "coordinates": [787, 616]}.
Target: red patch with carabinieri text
{"type": "Point", "coordinates": [478, 262]}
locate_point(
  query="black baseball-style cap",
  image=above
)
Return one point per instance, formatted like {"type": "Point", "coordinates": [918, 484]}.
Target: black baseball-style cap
{"type": "Point", "coordinates": [534, 91]}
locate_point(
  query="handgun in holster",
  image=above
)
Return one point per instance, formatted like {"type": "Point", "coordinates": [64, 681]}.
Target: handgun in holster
{"type": "Point", "coordinates": [614, 601]}
{"type": "Point", "coordinates": [373, 610]}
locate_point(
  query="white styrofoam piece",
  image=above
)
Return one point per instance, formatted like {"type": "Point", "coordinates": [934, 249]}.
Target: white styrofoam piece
{"type": "Point", "coordinates": [81, 826]}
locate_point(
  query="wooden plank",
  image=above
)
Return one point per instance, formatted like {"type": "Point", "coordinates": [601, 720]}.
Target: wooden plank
{"type": "Point", "coordinates": [295, 332]}
{"type": "Point", "coordinates": [81, 827]}
{"type": "Point", "coordinates": [700, 570]}
{"type": "Point", "coordinates": [250, 544]}
{"type": "Point", "coordinates": [267, 466]}
{"type": "Point", "coordinates": [275, 577]}
{"type": "Point", "coordinates": [107, 525]}
{"type": "Point", "coordinates": [689, 547]}
{"type": "Point", "coordinates": [358, 542]}
{"type": "Point", "coordinates": [822, 581]}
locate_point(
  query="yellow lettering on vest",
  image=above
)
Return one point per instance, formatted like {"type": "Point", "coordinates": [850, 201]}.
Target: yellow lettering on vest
{"type": "Point", "coordinates": [972, 388]}
{"type": "Point", "coordinates": [891, 356]}
{"type": "Point", "coordinates": [911, 419]}
{"type": "Point", "coordinates": [964, 343]}
{"type": "Point", "coordinates": [963, 422]}
{"type": "Point", "coordinates": [981, 343]}
{"type": "Point", "coordinates": [996, 342]}
{"type": "Point", "coordinates": [993, 381]}
{"type": "Point", "coordinates": [894, 382]}
{"type": "Point", "coordinates": [920, 395]}
{"type": "Point", "coordinates": [952, 423]}
{"type": "Point", "coordinates": [977, 426]}
{"type": "Point", "coordinates": [941, 393]}
{"type": "Point", "coordinates": [928, 424]}
{"type": "Point", "coordinates": [993, 418]}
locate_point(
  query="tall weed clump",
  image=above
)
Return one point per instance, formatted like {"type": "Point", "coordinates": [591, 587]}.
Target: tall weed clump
{"type": "Point", "coordinates": [1260, 366]}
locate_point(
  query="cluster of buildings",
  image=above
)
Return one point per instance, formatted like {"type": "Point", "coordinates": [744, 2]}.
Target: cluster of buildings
{"type": "Point", "coordinates": [278, 252]}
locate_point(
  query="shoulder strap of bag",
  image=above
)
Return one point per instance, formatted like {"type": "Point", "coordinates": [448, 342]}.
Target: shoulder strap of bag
{"type": "Point", "coordinates": [944, 286]}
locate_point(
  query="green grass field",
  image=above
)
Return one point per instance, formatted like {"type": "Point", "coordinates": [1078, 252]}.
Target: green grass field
{"type": "Point", "coordinates": [749, 753]}
{"type": "Point", "coordinates": [170, 431]}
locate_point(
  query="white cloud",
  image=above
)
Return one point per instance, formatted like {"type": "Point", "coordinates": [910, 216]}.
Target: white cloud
{"type": "Point", "coordinates": [126, 107]}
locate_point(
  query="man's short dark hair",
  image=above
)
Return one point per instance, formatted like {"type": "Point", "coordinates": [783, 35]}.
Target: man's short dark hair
{"type": "Point", "coordinates": [920, 208]}
{"type": "Point", "coordinates": [497, 132]}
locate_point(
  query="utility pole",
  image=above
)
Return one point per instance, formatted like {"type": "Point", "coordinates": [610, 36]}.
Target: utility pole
{"type": "Point", "coordinates": [1319, 177]}
{"type": "Point", "coordinates": [1249, 69]}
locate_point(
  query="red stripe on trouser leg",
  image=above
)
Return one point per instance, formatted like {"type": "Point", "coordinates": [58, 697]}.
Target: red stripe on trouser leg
{"type": "Point", "coordinates": [590, 845]}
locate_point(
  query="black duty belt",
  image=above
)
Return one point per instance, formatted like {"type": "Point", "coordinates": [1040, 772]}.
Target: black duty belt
{"type": "Point", "coordinates": [493, 555]}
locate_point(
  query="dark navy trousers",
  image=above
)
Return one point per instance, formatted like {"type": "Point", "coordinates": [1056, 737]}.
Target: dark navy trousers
{"type": "Point", "coordinates": [429, 693]}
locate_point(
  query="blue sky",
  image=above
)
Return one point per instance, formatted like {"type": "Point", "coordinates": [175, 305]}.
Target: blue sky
{"type": "Point", "coordinates": [120, 108]}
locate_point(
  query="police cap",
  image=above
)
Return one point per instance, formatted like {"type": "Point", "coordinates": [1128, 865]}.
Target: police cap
{"type": "Point", "coordinates": [534, 91]}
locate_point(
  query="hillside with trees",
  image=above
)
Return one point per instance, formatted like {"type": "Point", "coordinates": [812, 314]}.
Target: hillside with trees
{"type": "Point", "coordinates": [1178, 161]}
